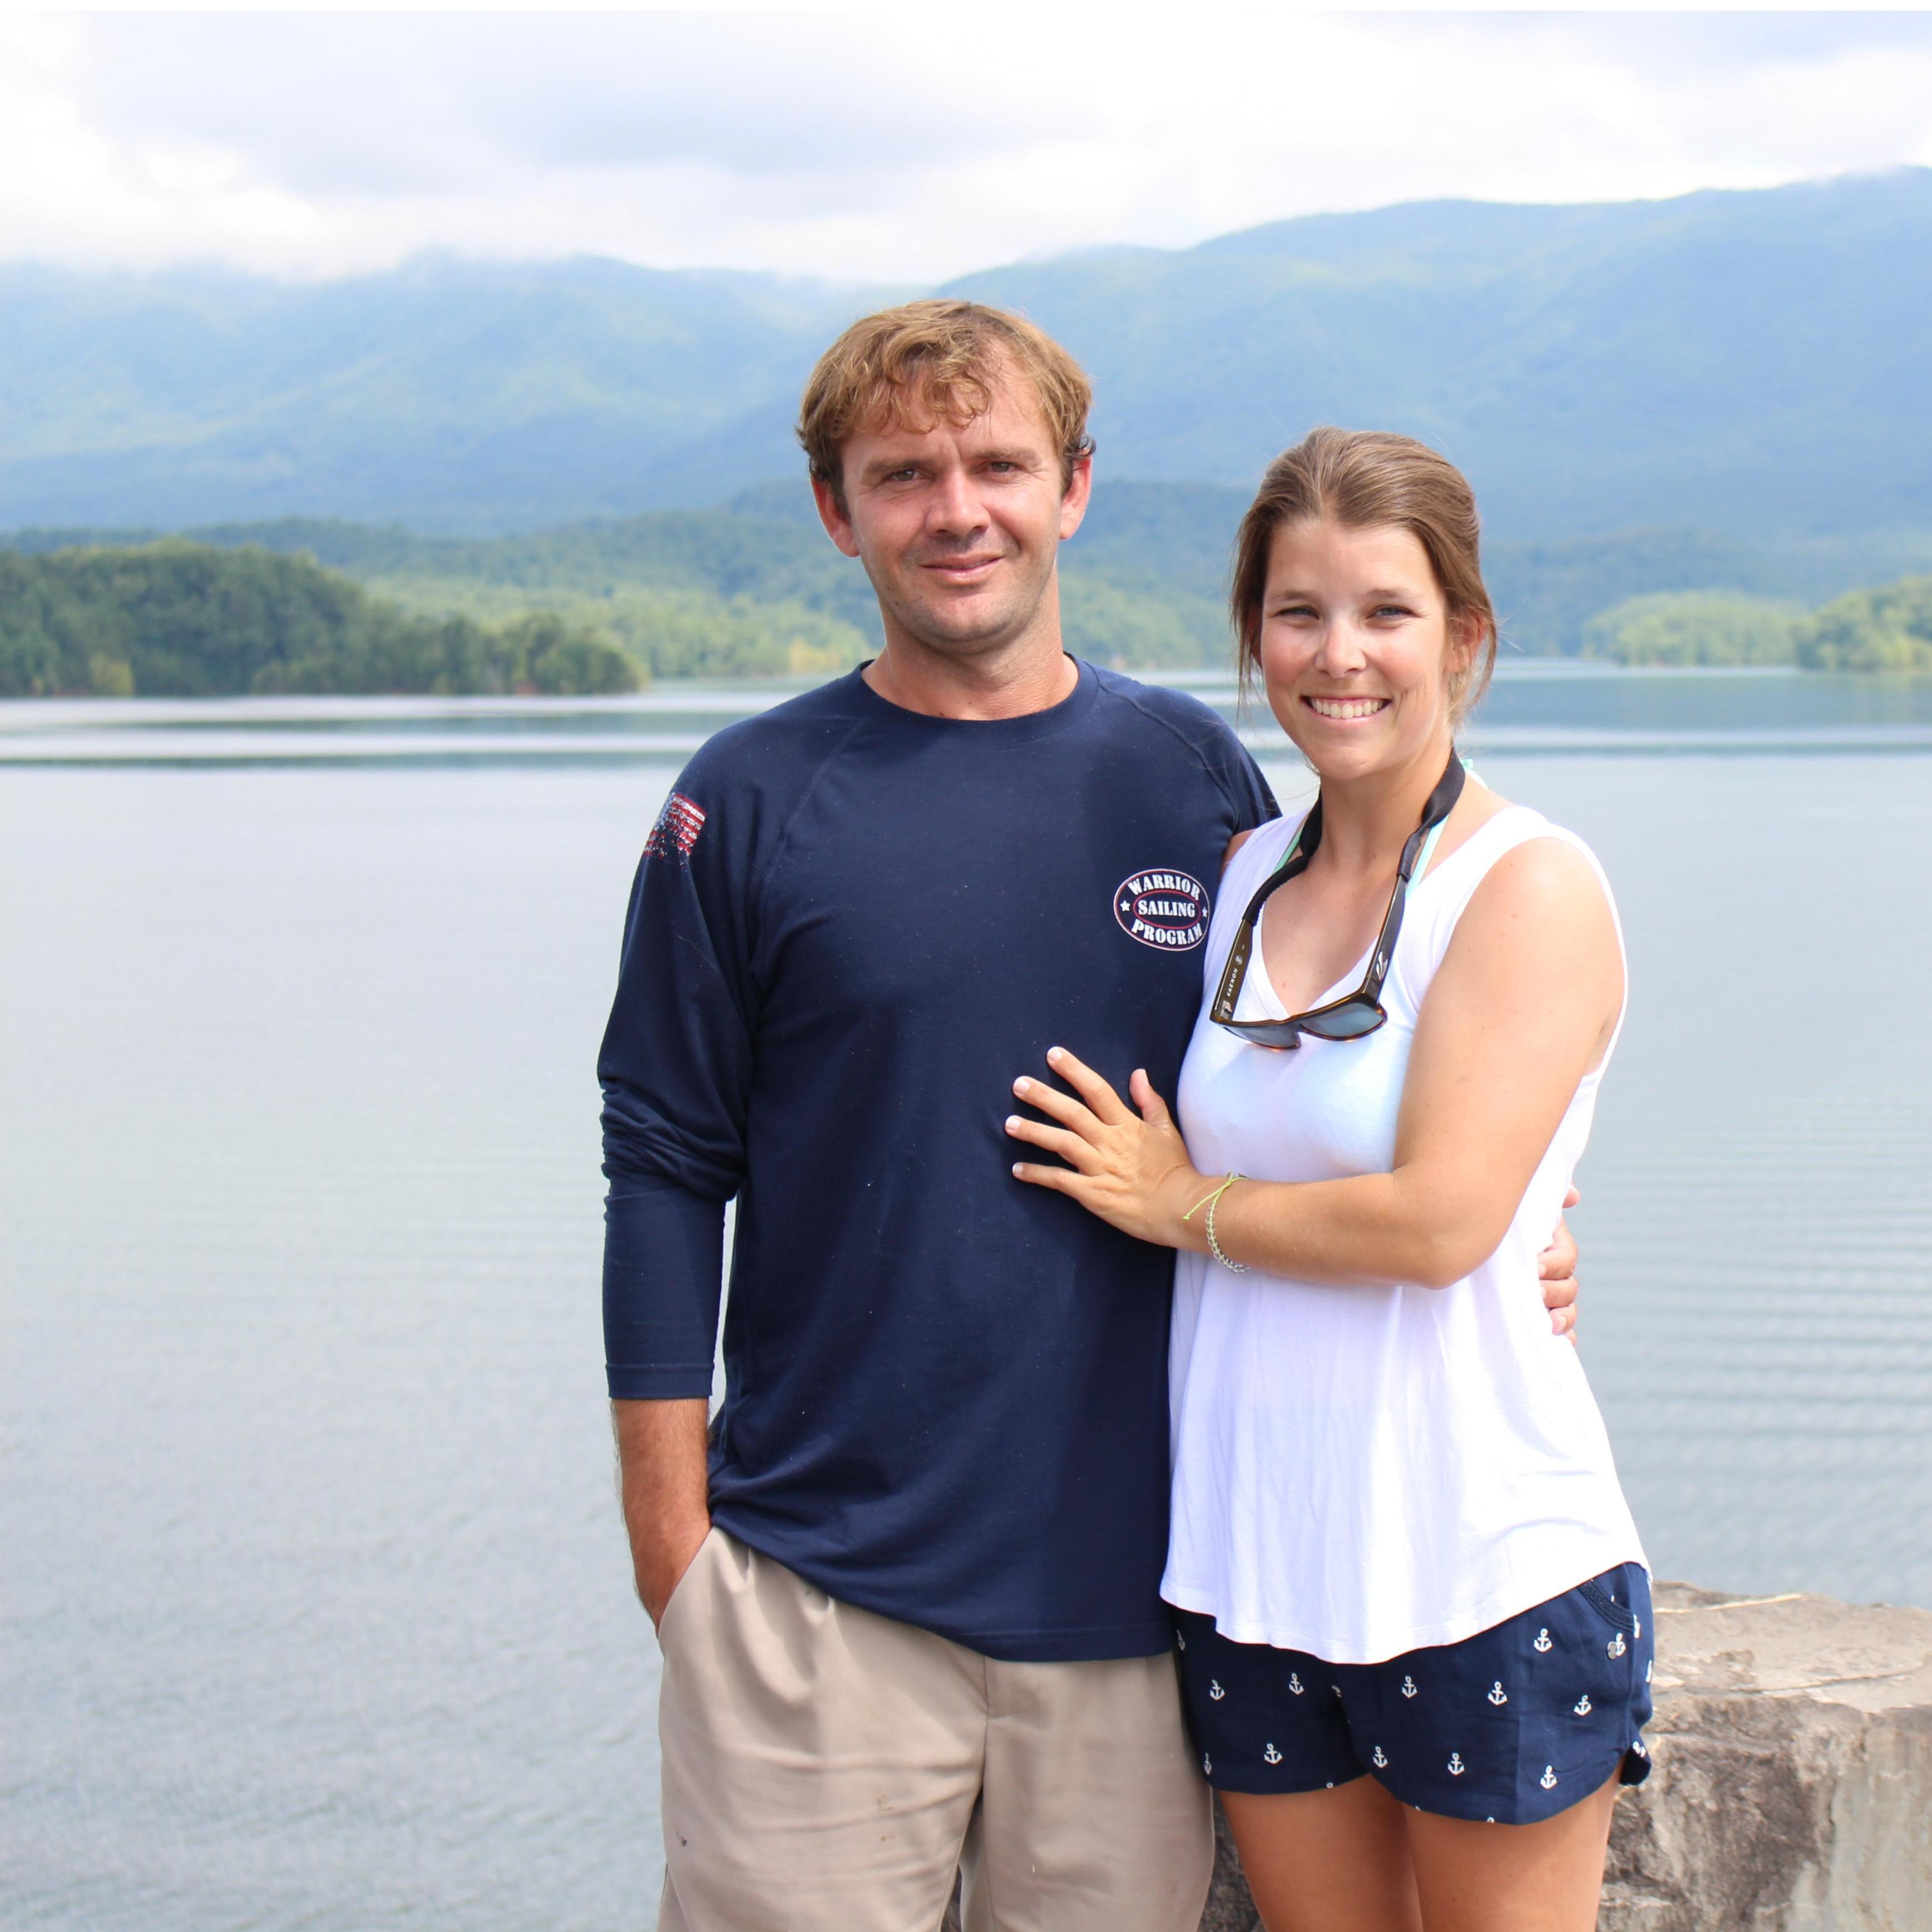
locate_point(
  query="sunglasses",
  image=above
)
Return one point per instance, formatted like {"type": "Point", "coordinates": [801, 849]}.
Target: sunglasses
{"type": "Point", "coordinates": [1361, 1012]}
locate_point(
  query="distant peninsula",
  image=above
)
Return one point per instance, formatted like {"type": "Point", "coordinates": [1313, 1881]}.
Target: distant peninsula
{"type": "Point", "coordinates": [1886, 629]}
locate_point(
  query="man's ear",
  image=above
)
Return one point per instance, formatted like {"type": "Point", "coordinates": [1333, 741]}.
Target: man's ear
{"type": "Point", "coordinates": [1079, 491]}
{"type": "Point", "coordinates": [837, 524]}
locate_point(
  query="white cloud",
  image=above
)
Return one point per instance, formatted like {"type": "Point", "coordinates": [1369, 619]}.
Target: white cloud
{"type": "Point", "coordinates": [891, 145]}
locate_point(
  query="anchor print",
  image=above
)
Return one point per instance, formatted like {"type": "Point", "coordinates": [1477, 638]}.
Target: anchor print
{"type": "Point", "coordinates": [1408, 1687]}
{"type": "Point", "coordinates": [1270, 1755]}
{"type": "Point", "coordinates": [1336, 1688]}
{"type": "Point", "coordinates": [1636, 1627]}
{"type": "Point", "coordinates": [1646, 1670]}
{"type": "Point", "coordinates": [1542, 1641]}
{"type": "Point", "coordinates": [1214, 1690]}
{"type": "Point", "coordinates": [1180, 1640]}
{"type": "Point", "coordinates": [1456, 1766]}
{"type": "Point", "coordinates": [1616, 1646]}
{"type": "Point", "coordinates": [1637, 1746]}
{"type": "Point", "coordinates": [1548, 1780]}
{"type": "Point", "coordinates": [1295, 1683]}
{"type": "Point", "coordinates": [1378, 1760]}
{"type": "Point", "coordinates": [1583, 1706]}
{"type": "Point", "coordinates": [1207, 1765]}
{"type": "Point", "coordinates": [1498, 1695]}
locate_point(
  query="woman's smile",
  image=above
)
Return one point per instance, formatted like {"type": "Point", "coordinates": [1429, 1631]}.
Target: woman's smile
{"type": "Point", "coordinates": [1345, 708]}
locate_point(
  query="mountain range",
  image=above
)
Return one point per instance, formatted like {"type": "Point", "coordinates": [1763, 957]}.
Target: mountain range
{"type": "Point", "coordinates": [1755, 366]}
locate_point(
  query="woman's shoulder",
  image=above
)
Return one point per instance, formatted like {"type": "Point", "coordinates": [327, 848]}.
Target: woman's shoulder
{"type": "Point", "coordinates": [1525, 873]}
{"type": "Point", "coordinates": [1541, 861]}
{"type": "Point", "coordinates": [1514, 871]}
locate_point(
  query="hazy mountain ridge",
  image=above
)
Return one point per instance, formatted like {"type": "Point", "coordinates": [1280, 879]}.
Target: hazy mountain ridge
{"type": "Point", "coordinates": [1744, 363]}
{"type": "Point", "coordinates": [1754, 364]}
{"type": "Point", "coordinates": [456, 394]}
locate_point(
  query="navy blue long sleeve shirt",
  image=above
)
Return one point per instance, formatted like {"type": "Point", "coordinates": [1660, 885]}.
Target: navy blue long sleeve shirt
{"type": "Point", "coordinates": [852, 928]}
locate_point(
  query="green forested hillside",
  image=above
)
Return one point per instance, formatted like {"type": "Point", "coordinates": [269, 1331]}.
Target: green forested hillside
{"type": "Point", "coordinates": [188, 620]}
{"type": "Point", "coordinates": [1886, 629]}
{"type": "Point", "coordinates": [754, 587]}
{"type": "Point", "coordinates": [1753, 365]}
{"type": "Point", "coordinates": [1699, 627]}
{"type": "Point", "coordinates": [601, 608]}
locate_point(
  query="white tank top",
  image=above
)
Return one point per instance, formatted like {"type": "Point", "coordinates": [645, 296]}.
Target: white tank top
{"type": "Point", "coordinates": [1362, 1471]}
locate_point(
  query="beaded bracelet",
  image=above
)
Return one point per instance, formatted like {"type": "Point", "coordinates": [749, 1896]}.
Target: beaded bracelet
{"type": "Point", "coordinates": [1210, 1202]}
{"type": "Point", "coordinates": [1213, 1246]}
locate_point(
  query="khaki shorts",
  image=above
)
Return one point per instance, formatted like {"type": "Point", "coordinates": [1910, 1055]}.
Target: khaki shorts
{"type": "Point", "coordinates": [829, 1770]}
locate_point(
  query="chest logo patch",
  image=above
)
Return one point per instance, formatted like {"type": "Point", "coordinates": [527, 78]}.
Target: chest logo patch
{"type": "Point", "coordinates": [1167, 910]}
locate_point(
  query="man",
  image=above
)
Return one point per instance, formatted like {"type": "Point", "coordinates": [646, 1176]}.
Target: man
{"type": "Point", "coordinates": [906, 1591]}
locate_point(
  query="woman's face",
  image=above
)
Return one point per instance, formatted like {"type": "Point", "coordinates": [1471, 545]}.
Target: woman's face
{"type": "Point", "coordinates": [1357, 647]}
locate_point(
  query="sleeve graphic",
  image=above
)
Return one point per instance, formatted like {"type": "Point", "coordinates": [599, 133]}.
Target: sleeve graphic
{"type": "Point", "coordinates": [676, 830]}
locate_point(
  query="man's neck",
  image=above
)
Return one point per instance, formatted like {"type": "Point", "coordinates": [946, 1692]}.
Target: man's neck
{"type": "Point", "coordinates": [1034, 674]}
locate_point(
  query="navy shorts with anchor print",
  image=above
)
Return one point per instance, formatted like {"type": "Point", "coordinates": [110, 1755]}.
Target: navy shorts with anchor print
{"type": "Point", "coordinates": [1508, 1727]}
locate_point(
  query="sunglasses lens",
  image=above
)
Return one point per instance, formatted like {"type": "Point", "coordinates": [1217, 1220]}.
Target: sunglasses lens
{"type": "Point", "coordinates": [1281, 1035]}
{"type": "Point", "coordinates": [1344, 1022]}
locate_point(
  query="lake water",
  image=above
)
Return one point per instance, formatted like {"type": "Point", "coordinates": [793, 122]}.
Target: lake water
{"type": "Point", "coordinates": [316, 1611]}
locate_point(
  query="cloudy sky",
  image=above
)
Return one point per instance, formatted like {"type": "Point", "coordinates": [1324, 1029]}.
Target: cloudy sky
{"type": "Point", "coordinates": [899, 144]}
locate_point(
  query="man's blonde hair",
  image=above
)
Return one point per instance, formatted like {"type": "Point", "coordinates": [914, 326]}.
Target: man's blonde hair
{"type": "Point", "coordinates": [925, 361]}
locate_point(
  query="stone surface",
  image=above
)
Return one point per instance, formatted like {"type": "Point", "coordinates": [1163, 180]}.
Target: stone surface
{"type": "Point", "coordinates": [1792, 1785]}
{"type": "Point", "coordinates": [1792, 1791]}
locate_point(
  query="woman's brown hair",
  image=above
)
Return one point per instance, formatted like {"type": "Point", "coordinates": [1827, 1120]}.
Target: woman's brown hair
{"type": "Point", "coordinates": [1363, 479]}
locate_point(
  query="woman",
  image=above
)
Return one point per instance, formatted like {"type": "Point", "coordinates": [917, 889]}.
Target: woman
{"type": "Point", "coordinates": [1411, 1607]}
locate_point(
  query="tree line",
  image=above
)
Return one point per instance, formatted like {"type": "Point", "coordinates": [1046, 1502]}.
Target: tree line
{"type": "Point", "coordinates": [178, 617]}
{"type": "Point", "coordinates": [1886, 629]}
{"type": "Point", "coordinates": [181, 619]}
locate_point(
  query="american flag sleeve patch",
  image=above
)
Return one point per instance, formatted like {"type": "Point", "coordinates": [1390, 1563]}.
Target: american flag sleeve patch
{"type": "Point", "coordinates": [676, 830]}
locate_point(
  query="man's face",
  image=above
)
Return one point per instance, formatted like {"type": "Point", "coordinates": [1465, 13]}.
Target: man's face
{"type": "Point", "coordinates": [958, 524]}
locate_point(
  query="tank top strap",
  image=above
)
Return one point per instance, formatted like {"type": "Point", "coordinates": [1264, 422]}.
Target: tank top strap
{"type": "Point", "coordinates": [1455, 878]}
